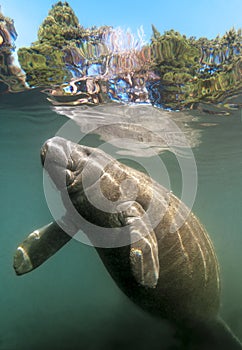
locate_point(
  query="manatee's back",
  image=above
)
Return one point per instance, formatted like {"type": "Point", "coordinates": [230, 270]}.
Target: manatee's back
{"type": "Point", "coordinates": [188, 284]}
{"type": "Point", "coordinates": [189, 270]}
{"type": "Point", "coordinates": [188, 288]}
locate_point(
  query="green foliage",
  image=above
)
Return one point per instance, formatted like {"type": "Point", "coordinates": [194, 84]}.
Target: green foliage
{"type": "Point", "coordinates": [188, 69]}
{"type": "Point", "coordinates": [63, 44]}
{"type": "Point", "coordinates": [43, 65]}
{"type": "Point", "coordinates": [44, 62]}
{"type": "Point", "coordinates": [60, 25]}
{"type": "Point", "coordinates": [174, 55]}
{"type": "Point", "coordinates": [193, 70]}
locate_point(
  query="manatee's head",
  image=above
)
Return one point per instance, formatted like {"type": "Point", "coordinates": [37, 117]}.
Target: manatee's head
{"type": "Point", "coordinates": [64, 161]}
{"type": "Point", "coordinates": [68, 163]}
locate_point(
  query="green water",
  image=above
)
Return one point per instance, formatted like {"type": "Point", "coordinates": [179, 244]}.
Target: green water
{"type": "Point", "coordinates": [70, 302]}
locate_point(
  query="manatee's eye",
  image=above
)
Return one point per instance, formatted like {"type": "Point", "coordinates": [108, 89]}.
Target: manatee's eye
{"type": "Point", "coordinates": [88, 151]}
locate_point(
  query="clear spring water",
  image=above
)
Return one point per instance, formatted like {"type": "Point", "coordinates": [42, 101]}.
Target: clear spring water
{"type": "Point", "coordinates": [70, 302]}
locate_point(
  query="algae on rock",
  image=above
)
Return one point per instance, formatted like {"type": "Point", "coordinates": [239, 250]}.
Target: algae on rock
{"type": "Point", "coordinates": [44, 61]}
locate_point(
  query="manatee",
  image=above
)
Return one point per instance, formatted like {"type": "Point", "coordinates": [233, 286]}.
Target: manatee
{"type": "Point", "coordinates": [160, 255]}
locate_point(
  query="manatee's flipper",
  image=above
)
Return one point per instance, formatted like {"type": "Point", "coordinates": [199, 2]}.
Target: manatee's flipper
{"type": "Point", "coordinates": [38, 247]}
{"type": "Point", "coordinates": [144, 259]}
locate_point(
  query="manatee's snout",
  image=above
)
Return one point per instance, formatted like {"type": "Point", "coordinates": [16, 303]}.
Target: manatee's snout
{"type": "Point", "coordinates": [56, 150]}
{"type": "Point", "coordinates": [64, 160]}
{"type": "Point", "coordinates": [56, 159]}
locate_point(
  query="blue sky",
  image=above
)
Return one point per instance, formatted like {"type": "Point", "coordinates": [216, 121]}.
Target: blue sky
{"type": "Point", "coordinates": [191, 17]}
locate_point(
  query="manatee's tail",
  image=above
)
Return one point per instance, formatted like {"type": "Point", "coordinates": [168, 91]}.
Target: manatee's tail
{"type": "Point", "coordinates": [210, 335]}
{"type": "Point", "coordinates": [38, 247]}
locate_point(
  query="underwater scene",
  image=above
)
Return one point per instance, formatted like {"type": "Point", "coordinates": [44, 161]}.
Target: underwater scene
{"type": "Point", "coordinates": [141, 180]}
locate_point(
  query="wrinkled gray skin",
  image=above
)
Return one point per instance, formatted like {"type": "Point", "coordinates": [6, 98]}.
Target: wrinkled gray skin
{"type": "Point", "coordinates": [174, 275]}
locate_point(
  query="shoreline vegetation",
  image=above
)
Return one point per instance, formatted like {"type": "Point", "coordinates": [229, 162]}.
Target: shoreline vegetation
{"type": "Point", "coordinates": [77, 65]}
